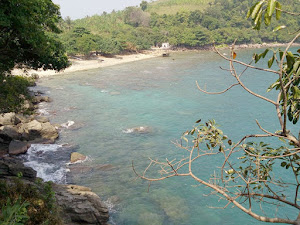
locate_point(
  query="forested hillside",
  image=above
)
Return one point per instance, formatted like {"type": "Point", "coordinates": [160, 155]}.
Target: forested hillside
{"type": "Point", "coordinates": [190, 24]}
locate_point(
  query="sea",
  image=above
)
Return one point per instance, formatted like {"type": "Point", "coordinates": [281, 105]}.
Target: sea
{"type": "Point", "coordinates": [124, 115]}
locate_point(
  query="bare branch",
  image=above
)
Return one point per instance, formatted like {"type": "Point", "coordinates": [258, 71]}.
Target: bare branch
{"type": "Point", "coordinates": [215, 93]}
{"type": "Point", "coordinates": [244, 64]}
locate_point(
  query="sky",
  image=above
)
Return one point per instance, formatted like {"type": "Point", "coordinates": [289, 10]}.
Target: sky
{"type": "Point", "coordinates": [77, 9]}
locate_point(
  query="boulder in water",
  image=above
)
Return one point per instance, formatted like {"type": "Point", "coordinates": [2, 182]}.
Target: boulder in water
{"type": "Point", "coordinates": [75, 157]}
{"type": "Point", "coordinates": [18, 147]}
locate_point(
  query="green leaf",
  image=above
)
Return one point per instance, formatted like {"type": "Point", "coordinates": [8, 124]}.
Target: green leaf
{"type": "Point", "coordinates": [249, 13]}
{"type": "Point", "coordinates": [270, 62]}
{"type": "Point", "coordinates": [278, 12]}
{"type": "Point", "coordinates": [271, 7]}
{"type": "Point", "coordinates": [265, 53]}
{"type": "Point", "coordinates": [279, 28]}
{"type": "Point", "coordinates": [256, 9]}
{"type": "Point", "coordinates": [290, 59]}
{"type": "Point", "coordinates": [273, 85]}
{"type": "Point", "coordinates": [267, 20]}
{"type": "Point", "coordinates": [296, 65]}
{"type": "Point", "coordinates": [296, 92]}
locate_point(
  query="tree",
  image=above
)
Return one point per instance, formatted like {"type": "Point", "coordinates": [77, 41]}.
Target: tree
{"type": "Point", "coordinates": [68, 21]}
{"type": "Point", "coordinates": [144, 5]}
{"type": "Point", "coordinates": [248, 173]}
{"type": "Point", "coordinates": [136, 17]}
{"type": "Point", "coordinates": [26, 36]}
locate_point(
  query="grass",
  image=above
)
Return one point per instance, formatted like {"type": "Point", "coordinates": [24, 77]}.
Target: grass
{"type": "Point", "coordinates": [174, 6]}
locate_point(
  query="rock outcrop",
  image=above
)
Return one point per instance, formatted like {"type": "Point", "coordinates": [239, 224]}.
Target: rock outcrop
{"type": "Point", "coordinates": [18, 147]}
{"type": "Point", "coordinates": [8, 119]}
{"type": "Point", "coordinates": [26, 129]}
{"type": "Point", "coordinates": [80, 205]}
{"type": "Point", "coordinates": [10, 167]}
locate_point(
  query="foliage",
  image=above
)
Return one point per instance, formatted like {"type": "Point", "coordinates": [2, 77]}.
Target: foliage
{"type": "Point", "coordinates": [249, 173]}
{"type": "Point", "coordinates": [144, 5]}
{"type": "Point", "coordinates": [13, 93]}
{"type": "Point", "coordinates": [34, 203]}
{"type": "Point", "coordinates": [218, 21]}
{"type": "Point", "coordinates": [14, 213]}
{"type": "Point", "coordinates": [26, 37]}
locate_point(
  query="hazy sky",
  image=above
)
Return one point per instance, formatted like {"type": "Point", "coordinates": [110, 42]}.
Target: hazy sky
{"type": "Point", "coordinates": [80, 8]}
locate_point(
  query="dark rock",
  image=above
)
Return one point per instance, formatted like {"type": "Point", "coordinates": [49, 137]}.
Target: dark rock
{"type": "Point", "coordinates": [9, 132]}
{"type": "Point", "coordinates": [39, 99]}
{"type": "Point", "coordinates": [18, 147]}
{"type": "Point", "coordinates": [3, 149]}
{"type": "Point", "coordinates": [80, 205]}
{"type": "Point", "coordinates": [12, 167]}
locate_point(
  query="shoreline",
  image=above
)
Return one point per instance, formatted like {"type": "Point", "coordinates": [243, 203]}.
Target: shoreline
{"type": "Point", "coordinates": [102, 62]}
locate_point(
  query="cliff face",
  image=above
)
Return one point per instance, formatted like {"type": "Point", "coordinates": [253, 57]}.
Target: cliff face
{"type": "Point", "coordinates": [77, 204]}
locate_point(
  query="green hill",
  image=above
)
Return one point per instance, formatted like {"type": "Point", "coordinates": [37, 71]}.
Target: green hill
{"type": "Point", "coordinates": [174, 6]}
{"type": "Point", "coordinates": [201, 23]}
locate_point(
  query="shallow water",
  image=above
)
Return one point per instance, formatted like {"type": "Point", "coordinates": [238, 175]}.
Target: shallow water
{"type": "Point", "coordinates": [161, 96]}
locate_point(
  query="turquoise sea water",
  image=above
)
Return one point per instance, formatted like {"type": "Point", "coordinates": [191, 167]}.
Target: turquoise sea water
{"type": "Point", "coordinates": [161, 94]}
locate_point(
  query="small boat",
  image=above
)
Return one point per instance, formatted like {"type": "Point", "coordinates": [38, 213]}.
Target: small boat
{"type": "Point", "coordinates": [165, 54]}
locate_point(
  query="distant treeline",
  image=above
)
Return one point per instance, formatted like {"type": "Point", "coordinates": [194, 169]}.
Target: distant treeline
{"type": "Point", "coordinates": [135, 28]}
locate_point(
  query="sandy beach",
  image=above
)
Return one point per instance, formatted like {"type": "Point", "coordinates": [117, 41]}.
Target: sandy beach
{"type": "Point", "coordinates": [100, 62]}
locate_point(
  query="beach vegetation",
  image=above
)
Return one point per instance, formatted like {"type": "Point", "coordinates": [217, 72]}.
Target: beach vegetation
{"type": "Point", "coordinates": [202, 24]}
{"type": "Point", "coordinates": [14, 93]}
{"type": "Point", "coordinates": [26, 36]}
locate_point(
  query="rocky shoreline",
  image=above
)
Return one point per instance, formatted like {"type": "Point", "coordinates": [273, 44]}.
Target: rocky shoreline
{"type": "Point", "coordinates": [78, 205]}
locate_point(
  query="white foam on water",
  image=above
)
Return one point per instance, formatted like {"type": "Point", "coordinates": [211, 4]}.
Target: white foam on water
{"type": "Point", "coordinates": [128, 131]}
{"type": "Point", "coordinates": [110, 206]}
{"type": "Point", "coordinates": [68, 124]}
{"type": "Point", "coordinates": [43, 147]}
{"type": "Point", "coordinates": [136, 129]}
{"type": "Point", "coordinates": [47, 170]}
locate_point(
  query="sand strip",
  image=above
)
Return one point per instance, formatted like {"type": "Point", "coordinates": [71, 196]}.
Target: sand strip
{"type": "Point", "coordinates": [100, 62]}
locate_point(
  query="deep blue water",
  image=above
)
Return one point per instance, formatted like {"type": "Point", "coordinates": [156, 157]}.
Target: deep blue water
{"type": "Point", "coordinates": [161, 94]}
